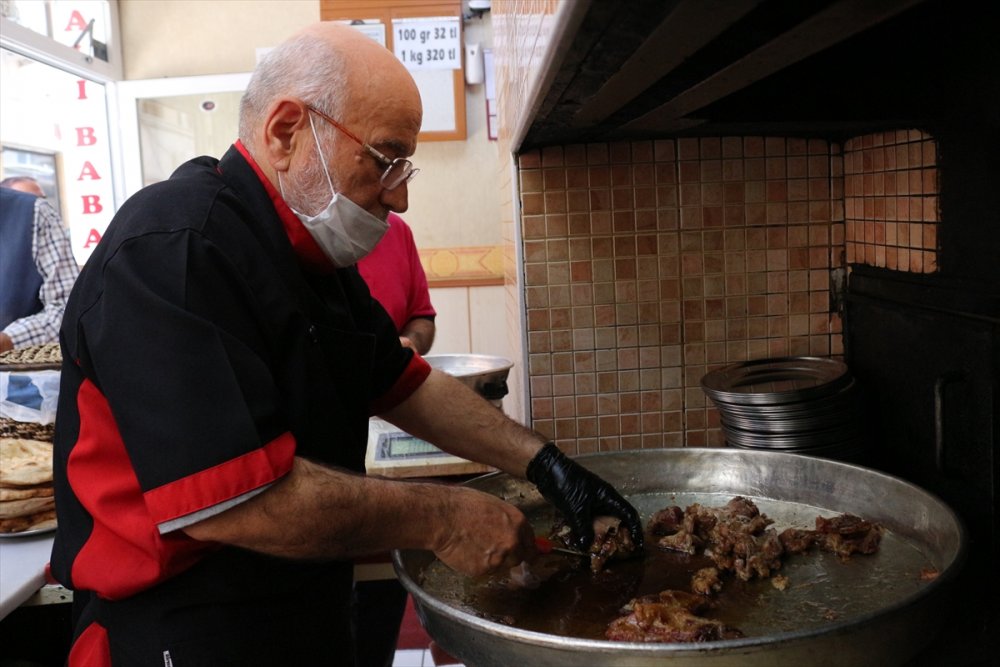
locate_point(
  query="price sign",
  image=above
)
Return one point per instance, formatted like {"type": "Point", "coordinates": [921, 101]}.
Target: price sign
{"type": "Point", "coordinates": [428, 43]}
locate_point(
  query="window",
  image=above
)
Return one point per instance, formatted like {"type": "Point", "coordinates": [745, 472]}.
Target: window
{"type": "Point", "coordinates": [83, 25]}
{"type": "Point", "coordinates": [54, 126]}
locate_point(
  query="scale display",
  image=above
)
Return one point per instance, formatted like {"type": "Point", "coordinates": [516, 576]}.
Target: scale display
{"type": "Point", "coordinates": [395, 453]}
{"type": "Point", "coordinates": [399, 445]}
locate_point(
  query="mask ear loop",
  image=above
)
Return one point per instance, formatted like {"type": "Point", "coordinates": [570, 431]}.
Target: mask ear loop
{"type": "Point", "coordinates": [322, 158]}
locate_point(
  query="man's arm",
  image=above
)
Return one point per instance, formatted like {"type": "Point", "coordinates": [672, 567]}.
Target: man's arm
{"type": "Point", "coordinates": [317, 513]}
{"type": "Point", "coordinates": [418, 333]}
{"type": "Point", "coordinates": [449, 414]}
{"type": "Point", "coordinates": [452, 416]}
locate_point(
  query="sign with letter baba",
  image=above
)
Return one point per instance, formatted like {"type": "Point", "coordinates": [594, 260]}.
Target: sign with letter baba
{"type": "Point", "coordinates": [428, 43]}
{"type": "Point", "coordinates": [88, 167]}
{"type": "Point", "coordinates": [89, 196]}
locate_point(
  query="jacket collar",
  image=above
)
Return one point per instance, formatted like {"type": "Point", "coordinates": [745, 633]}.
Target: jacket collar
{"type": "Point", "coordinates": [308, 252]}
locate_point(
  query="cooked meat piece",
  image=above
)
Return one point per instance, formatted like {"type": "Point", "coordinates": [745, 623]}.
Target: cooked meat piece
{"type": "Point", "coordinates": [797, 540]}
{"type": "Point", "coordinates": [666, 521]}
{"type": "Point", "coordinates": [740, 506]}
{"type": "Point", "coordinates": [699, 519]}
{"type": "Point", "coordinates": [706, 581]}
{"type": "Point", "coordinates": [757, 556]}
{"type": "Point", "coordinates": [610, 543]}
{"type": "Point", "coordinates": [848, 534]}
{"type": "Point", "coordinates": [734, 536]}
{"type": "Point", "coordinates": [562, 533]}
{"type": "Point", "coordinates": [779, 581]}
{"type": "Point", "coordinates": [681, 541]}
{"type": "Point", "coordinates": [845, 524]}
{"type": "Point", "coordinates": [929, 574]}
{"type": "Point", "coordinates": [670, 616]}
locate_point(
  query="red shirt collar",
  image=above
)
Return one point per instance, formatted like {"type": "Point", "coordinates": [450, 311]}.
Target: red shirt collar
{"type": "Point", "coordinates": [310, 255]}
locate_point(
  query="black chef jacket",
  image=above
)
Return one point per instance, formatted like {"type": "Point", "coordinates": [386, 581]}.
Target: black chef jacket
{"type": "Point", "coordinates": [204, 347]}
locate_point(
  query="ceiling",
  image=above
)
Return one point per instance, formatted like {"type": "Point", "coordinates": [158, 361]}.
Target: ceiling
{"type": "Point", "coordinates": [660, 68]}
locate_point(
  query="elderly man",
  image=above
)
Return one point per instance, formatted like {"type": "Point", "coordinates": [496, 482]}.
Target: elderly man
{"type": "Point", "coordinates": [37, 268]}
{"type": "Point", "coordinates": [221, 359]}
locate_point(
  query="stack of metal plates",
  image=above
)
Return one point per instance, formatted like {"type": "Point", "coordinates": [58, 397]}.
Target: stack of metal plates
{"type": "Point", "coordinates": [806, 405]}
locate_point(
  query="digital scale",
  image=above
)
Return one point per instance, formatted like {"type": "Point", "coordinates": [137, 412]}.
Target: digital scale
{"type": "Point", "coordinates": [395, 453]}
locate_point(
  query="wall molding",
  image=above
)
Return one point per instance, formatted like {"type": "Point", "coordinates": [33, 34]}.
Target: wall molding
{"type": "Point", "coordinates": [472, 266]}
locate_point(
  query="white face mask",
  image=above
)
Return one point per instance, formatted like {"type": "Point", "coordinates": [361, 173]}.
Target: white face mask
{"type": "Point", "coordinates": [345, 231]}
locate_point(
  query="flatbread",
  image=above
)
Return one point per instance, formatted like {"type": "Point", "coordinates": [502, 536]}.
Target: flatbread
{"type": "Point", "coordinates": [26, 430]}
{"type": "Point", "coordinates": [15, 508]}
{"type": "Point", "coordinates": [23, 492]}
{"type": "Point", "coordinates": [25, 462]}
{"type": "Point", "coordinates": [20, 524]}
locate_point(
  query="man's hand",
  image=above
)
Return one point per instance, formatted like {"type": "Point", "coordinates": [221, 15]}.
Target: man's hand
{"type": "Point", "coordinates": [580, 495]}
{"type": "Point", "coordinates": [418, 333]}
{"type": "Point", "coordinates": [485, 534]}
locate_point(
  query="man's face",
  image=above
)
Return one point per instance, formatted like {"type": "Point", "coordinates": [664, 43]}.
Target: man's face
{"type": "Point", "coordinates": [353, 171]}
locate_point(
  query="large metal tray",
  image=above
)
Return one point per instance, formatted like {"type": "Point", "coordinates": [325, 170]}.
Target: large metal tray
{"type": "Point", "coordinates": [883, 613]}
{"type": "Point", "coordinates": [776, 381]}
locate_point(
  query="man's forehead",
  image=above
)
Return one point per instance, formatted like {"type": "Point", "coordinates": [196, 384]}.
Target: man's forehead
{"type": "Point", "coordinates": [395, 133]}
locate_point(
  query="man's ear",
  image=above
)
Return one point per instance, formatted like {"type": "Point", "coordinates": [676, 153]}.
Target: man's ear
{"type": "Point", "coordinates": [281, 131]}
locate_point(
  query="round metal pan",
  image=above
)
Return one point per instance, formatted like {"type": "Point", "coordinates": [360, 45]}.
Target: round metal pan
{"type": "Point", "coordinates": [775, 381]}
{"type": "Point", "coordinates": [802, 438]}
{"type": "Point", "coordinates": [883, 612]}
{"type": "Point", "coordinates": [790, 425]}
{"type": "Point", "coordinates": [845, 401]}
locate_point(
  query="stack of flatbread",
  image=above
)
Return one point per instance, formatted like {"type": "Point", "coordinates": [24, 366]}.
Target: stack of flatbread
{"type": "Point", "coordinates": [26, 495]}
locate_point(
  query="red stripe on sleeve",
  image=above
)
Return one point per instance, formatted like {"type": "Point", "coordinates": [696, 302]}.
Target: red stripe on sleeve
{"type": "Point", "coordinates": [412, 377]}
{"type": "Point", "coordinates": [100, 472]}
{"type": "Point", "coordinates": [91, 648]}
{"type": "Point", "coordinates": [222, 482]}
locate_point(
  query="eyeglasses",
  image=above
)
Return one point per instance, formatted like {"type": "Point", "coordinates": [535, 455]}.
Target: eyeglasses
{"type": "Point", "coordinates": [397, 171]}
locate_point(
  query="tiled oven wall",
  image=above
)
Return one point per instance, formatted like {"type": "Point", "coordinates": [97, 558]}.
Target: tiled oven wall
{"type": "Point", "coordinates": [647, 263]}
{"type": "Point", "coordinates": [891, 200]}
{"type": "Point", "coordinates": [639, 266]}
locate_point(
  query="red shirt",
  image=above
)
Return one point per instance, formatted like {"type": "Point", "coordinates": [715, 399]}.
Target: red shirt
{"type": "Point", "coordinates": [395, 277]}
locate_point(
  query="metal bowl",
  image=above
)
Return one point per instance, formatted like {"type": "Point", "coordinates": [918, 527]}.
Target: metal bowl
{"type": "Point", "coordinates": [890, 630]}
{"type": "Point", "coordinates": [485, 374]}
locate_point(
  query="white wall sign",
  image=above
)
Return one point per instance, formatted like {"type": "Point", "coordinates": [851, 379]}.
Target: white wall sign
{"type": "Point", "coordinates": [87, 163]}
{"type": "Point", "coordinates": [428, 43]}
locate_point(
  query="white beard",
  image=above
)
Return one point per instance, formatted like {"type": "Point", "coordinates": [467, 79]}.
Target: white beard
{"type": "Point", "coordinates": [307, 191]}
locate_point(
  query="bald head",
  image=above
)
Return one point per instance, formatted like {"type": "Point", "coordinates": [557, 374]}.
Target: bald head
{"type": "Point", "coordinates": [23, 184]}
{"type": "Point", "coordinates": [334, 68]}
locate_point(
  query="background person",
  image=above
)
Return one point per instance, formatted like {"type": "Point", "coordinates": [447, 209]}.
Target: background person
{"type": "Point", "coordinates": [397, 281]}
{"type": "Point", "coordinates": [37, 267]}
{"type": "Point", "coordinates": [23, 184]}
{"type": "Point", "coordinates": [221, 358]}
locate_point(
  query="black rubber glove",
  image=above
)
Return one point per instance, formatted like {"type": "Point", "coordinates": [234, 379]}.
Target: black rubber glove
{"type": "Point", "coordinates": [580, 495]}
